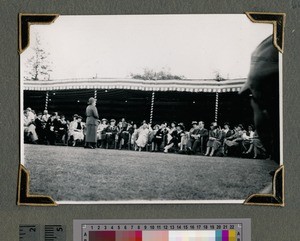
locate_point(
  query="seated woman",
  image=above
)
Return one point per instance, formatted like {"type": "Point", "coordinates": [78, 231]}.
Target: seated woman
{"type": "Point", "coordinates": [101, 134]}
{"type": "Point", "coordinates": [143, 136]}
{"type": "Point", "coordinates": [76, 131]}
{"type": "Point", "coordinates": [176, 138]}
{"type": "Point", "coordinates": [29, 128]}
{"type": "Point", "coordinates": [256, 147]}
{"type": "Point", "coordinates": [134, 136]}
{"type": "Point", "coordinates": [214, 139]}
{"type": "Point", "coordinates": [247, 138]}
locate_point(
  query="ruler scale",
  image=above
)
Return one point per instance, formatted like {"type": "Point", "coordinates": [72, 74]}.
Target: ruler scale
{"type": "Point", "coordinates": [55, 233]}
{"type": "Point", "coordinates": [166, 230]}
{"type": "Point", "coordinates": [29, 233]}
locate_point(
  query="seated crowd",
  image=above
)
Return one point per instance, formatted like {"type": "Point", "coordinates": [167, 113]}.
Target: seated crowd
{"type": "Point", "coordinates": [42, 128]}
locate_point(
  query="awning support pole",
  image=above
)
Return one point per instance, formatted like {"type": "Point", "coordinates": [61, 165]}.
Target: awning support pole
{"type": "Point", "coordinates": [216, 107]}
{"type": "Point", "coordinates": [152, 107]}
{"type": "Point", "coordinates": [46, 100]}
{"type": "Point", "coordinates": [95, 93]}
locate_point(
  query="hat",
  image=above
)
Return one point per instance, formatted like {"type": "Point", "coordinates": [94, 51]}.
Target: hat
{"type": "Point", "coordinates": [112, 120]}
{"type": "Point", "coordinates": [91, 100]}
{"type": "Point", "coordinates": [75, 115]}
{"type": "Point", "coordinates": [79, 117]}
{"type": "Point", "coordinates": [104, 119]}
{"type": "Point", "coordinates": [28, 109]}
{"type": "Point", "coordinates": [194, 122]}
{"type": "Point", "coordinates": [264, 66]}
{"type": "Point", "coordinates": [39, 113]}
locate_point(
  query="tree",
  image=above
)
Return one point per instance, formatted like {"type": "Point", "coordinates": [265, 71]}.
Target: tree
{"type": "Point", "coordinates": [150, 74]}
{"type": "Point", "coordinates": [38, 66]}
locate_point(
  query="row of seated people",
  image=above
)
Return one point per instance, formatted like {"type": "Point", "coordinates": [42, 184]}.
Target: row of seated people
{"type": "Point", "coordinates": [52, 129]}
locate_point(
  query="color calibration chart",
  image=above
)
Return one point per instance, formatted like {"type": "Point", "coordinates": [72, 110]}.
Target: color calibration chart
{"type": "Point", "coordinates": [163, 230]}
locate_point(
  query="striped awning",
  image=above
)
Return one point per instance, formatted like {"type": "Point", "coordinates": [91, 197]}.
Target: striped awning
{"type": "Point", "coordinates": [186, 85]}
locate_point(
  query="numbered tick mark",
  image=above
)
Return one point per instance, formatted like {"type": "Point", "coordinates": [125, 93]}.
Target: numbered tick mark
{"type": "Point", "coordinates": [29, 233]}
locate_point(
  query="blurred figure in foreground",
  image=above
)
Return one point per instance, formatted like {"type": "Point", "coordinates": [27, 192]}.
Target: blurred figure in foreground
{"type": "Point", "coordinates": [263, 88]}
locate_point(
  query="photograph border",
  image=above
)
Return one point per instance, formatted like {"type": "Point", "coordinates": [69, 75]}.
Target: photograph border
{"type": "Point", "coordinates": [274, 199]}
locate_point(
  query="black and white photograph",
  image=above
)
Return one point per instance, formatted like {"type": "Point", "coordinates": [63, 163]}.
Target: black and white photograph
{"type": "Point", "coordinates": [182, 108]}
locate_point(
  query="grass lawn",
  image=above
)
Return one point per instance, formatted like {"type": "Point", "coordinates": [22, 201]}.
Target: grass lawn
{"type": "Point", "coordinates": [78, 174]}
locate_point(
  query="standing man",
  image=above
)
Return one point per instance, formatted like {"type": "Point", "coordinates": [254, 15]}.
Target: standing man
{"type": "Point", "coordinates": [92, 119]}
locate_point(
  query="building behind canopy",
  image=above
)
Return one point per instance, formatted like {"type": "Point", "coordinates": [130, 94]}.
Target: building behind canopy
{"type": "Point", "coordinates": [137, 100]}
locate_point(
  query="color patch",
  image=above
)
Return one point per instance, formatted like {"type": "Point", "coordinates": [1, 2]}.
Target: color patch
{"type": "Point", "coordinates": [225, 234]}
{"type": "Point", "coordinates": [201, 235]}
{"type": "Point", "coordinates": [102, 236]}
{"type": "Point", "coordinates": [155, 236]}
{"type": "Point", "coordinates": [232, 235]}
{"type": "Point", "coordinates": [129, 236]}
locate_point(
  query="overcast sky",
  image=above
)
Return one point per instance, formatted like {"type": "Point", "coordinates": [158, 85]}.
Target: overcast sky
{"type": "Point", "coordinates": [195, 46]}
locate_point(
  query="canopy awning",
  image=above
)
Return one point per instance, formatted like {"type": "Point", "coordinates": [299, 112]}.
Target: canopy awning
{"type": "Point", "coordinates": [186, 85]}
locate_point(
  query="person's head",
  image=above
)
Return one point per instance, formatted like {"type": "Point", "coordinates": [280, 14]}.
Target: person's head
{"type": "Point", "coordinates": [28, 109]}
{"type": "Point", "coordinates": [104, 121]}
{"type": "Point", "coordinates": [156, 127]}
{"type": "Point", "coordinates": [62, 117]}
{"type": "Point", "coordinates": [250, 128]}
{"type": "Point", "coordinates": [123, 120]}
{"type": "Point", "coordinates": [75, 117]}
{"type": "Point", "coordinates": [213, 125]}
{"type": "Point", "coordinates": [173, 124]}
{"type": "Point", "coordinates": [53, 116]}
{"type": "Point", "coordinates": [180, 128]}
{"type": "Point", "coordinates": [240, 127]}
{"type": "Point", "coordinates": [79, 119]}
{"type": "Point", "coordinates": [134, 126]}
{"type": "Point", "coordinates": [145, 126]}
{"type": "Point", "coordinates": [226, 126]}
{"type": "Point", "coordinates": [112, 122]}
{"type": "Point", "coordinates": [263, 88]}
{"type": "Point", "coordinates": [25, 113]}
{"type": "Point", "coordinates": [39, 115]}
{"type": "Point", "coordinates": [45, 112]}
{"type": "Point", "coordinates": [201, 124]}
{"type": "Point", "coordinates": [194, 124]}
{"type": "Point", "coordinates": [92, 101]}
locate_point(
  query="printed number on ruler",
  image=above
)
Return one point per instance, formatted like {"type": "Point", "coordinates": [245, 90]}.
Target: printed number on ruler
{"type": "Point", "coordinates": [29, 233]}
{"type": "Point", "coordinates": [55, 233]}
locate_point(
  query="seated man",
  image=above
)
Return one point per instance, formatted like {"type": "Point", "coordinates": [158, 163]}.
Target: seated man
{"type": "Point", "coordinates": [233, 144]}
{"type": "Point", "coordinates": [123, 134]}
{"type": "Point", "coordinates": [29, 128]}
{"type": "Point", "coordinates": [40, 126]}
{"type": "Point", "coordinates": [51, 129]}
{"type": "Point", "coordinates": [200, 137]}
{"type": "Point", "coordinates": [158, 137]}
{"type": "Point", "coordinates": [62, 132]}
{"type": "Point", "coordinates": [111, 134]}
{"type": "Point", "coordinates": [192, 135]}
